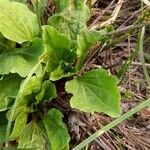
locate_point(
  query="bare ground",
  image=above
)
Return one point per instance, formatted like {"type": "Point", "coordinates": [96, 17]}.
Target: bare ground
{"type": "Point", "coordinates": [134, 133]}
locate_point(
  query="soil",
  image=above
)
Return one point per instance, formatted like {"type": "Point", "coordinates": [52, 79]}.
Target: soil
{"type": "Point", "coordinates": [134, 133]}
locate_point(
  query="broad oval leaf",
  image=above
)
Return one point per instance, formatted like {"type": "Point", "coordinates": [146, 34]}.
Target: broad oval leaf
{"type": "Point", "coordinates": [33, 137]}
{"type": "Point", "coordinates": [56, 130]}
{"type": "Point", "coordinates": [21, 60]}
{"type": "Point", "coordinates": [26, 98]}
{"type": "Point", "coordinates": [57, 48]}
{"type": "Point", "coordinates": [17, 22]}
{"type": "Point", "coordinates": [19, 125]}
{"type": "Point", "coordinates": [71, 17]}
{"type": "Point", "coordinates": [9, 91]}
{"type": "Point", "coordinates": [95, 91]}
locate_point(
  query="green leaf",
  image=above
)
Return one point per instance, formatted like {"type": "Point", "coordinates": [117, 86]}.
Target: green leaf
{"type": "Point", "coordinates": [71, 17]}
{"type": "Point", "coordinates": [9, 86]}
{"type": "Point", "coordinates": [60, 22]}
{"type": "Point", "coordinates": [47, 92]}
{"type": "Point", "coordinates": [85, 40]}
{"type": "Point", "coordinates": [57, 47]}
{"type": "Point", "coordinates": [2, 133]}
{"type": "Point", "coordinates": [41, 4]}
{"type": "Point", "coordinates": [95, 91]}
{"type": "Point", "coordinates": [61, 6]}
{"type": "Point", "coordinates": [26, 98]}
{"type": "Point", "coordinates": [88, 38]}
{"type": "Point", "coordinates": [62, 71]}
{"type": "Point", "coordinates": [20, 1]}
{"type": "Point", "coordinates": [32, 137]}
{"type": "Point", "coordinates": [4, 0]}
{"type": "Point", "coordinates": [3, 126]}
{"type": "Point", "coordinates": [21, 60]}
{"type": "Point", "coordinates": [17, 22]}
{"type": "Point", "coordinates": [56, 130]}
{"type": "Point", "coordinates": [20, 124]}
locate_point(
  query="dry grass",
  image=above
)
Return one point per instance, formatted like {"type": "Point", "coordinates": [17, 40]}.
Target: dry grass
{"type": "Point", "coordinates": [134, 133]}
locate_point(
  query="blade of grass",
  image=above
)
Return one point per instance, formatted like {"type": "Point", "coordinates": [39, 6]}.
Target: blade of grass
{"type": "Point", "coordinates": [112, 124]}
{"type": "Point", "coordinates": [128, 62]}
{"type": "Point", "coordinates": [141, 56]}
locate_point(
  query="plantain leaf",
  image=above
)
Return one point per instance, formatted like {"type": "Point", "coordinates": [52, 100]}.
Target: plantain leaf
{"type": "Point", "coordinates": [85, 40]}
{"type": "Point", "coordinates": [48, 92]}
{"type": "Point", "coordinates": [21, 60]}
{"type": "Point", "coordinates": [33, 137]}
{"type": "Point", "coordinates": [9, 91]}
{"type": "Point", "coordinates": [95, 91]}
{"type": "Point", "coordinates": [56, 130]}
{"type": "Point", "coordinates": [41, 6]}
{"type": "Point", "coordinates": [20, 1]}
{"type": "Point", "coordinates": [17, 22]}
{"type": "Point", "coordinates": [26, 98]}
{"type": "Point", "coordinates": [3, 126]}
{"type": "Point", "coordinates": [19, 125]}
{"type": "Point", "coordinates": [57, 48]}
{"type": "Point", "coordinates": [2, 134]}
{"type": "Point", "coordinates": [71, 17]}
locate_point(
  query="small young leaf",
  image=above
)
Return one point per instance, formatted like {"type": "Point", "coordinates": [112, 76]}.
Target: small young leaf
{"type": "Point", "coordinates": [47, 92]}
{"type": "Point", "coordinates": [95, 91]}
{"type": "Point", "coordinates": [21, 60]}
{"type": "Point", "coordinates": [85, 40]}
{"type": "Point", "coordinates": [62, 71]}
{"type": "Point", "coordinates": [9, 91]}
{"type": "Point", "coordinates": [56, 130]}
{"type": "Point", "coordinates": [17, 22]}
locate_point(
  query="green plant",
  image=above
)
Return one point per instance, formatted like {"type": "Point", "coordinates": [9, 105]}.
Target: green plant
{"type": "Point", "coordinates": [145, 103]}
{"type": "Point", "coordinates": [33, 57]}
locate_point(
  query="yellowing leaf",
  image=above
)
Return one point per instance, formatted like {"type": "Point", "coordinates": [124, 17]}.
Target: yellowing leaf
{"type": "Point", "coordinates": [95, 91]}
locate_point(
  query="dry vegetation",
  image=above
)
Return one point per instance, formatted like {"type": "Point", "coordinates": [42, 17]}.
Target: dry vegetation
{"type": "Point", "coordinates": [134, 133]}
